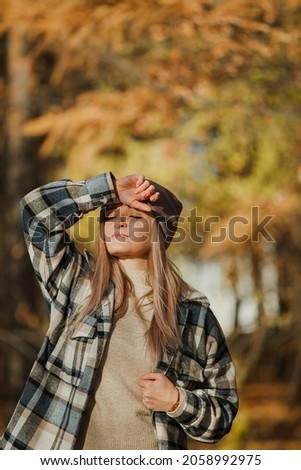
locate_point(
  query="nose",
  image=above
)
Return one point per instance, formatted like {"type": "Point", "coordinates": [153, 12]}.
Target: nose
{"type": "Point", "coordinates": [121, 222]}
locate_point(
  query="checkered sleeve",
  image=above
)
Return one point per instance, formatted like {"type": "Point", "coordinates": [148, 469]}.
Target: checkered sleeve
{"type": "Point", "coordinates": [46, 213]}
{"type": "Point", "coordinates": [208, 406]}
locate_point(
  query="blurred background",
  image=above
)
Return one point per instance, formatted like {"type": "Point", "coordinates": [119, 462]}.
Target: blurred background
{"type": "Point", "coordinates": [203, 97]}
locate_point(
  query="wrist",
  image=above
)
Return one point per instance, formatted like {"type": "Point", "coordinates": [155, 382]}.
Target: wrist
{"type": "Point", "coordinates": [176, 403]}
{"type": "Point", "coordinates": [115, 184]}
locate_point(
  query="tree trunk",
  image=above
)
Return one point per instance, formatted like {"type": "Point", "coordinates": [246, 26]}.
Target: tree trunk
{"type": "Point", "coordinates": [18, 176]}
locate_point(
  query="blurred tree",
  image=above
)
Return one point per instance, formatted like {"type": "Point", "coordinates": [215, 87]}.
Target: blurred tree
{"type": "Point", "coordinates": [142, 70]}
{"type": "Point", "coordinates": [19, 173]}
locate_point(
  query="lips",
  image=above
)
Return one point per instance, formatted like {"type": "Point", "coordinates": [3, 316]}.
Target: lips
{"type": "Point", "coordinates": [119, 237]}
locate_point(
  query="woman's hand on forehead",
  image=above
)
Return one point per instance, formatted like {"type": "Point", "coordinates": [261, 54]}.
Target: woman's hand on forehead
{"type": "Point", "coordinates": [135, 191]}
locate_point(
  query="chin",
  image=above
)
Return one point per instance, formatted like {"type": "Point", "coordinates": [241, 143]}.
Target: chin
{"type": "Point", "coordinates": [128, 250]}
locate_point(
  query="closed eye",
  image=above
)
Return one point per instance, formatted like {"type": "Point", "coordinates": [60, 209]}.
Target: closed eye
{"type": "Point", "coordinates": [114, 217]}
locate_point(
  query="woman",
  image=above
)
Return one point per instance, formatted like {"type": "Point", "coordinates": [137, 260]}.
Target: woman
{"type": "Point", "coordinates": [133, 358]}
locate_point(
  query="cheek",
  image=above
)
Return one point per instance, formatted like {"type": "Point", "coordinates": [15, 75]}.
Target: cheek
{"type": "Point", "coordinates": [140, 239]}
{"type": "Point", "coordinates": [108, 230]}
{"type": "Point", "coordinates": [140, 230]}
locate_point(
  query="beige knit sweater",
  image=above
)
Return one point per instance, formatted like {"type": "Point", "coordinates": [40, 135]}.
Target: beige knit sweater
{"type": "Point", "coordinates": [116, 417]}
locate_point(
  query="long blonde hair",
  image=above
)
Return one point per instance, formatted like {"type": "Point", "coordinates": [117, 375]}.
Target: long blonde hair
{"type": "Point", "coordinates": [166, 288]}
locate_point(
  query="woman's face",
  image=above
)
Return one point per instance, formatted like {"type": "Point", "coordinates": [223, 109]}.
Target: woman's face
{"type": "Point", "coordinates": [128, 232]}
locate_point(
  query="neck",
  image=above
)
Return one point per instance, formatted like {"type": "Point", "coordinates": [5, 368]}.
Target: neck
{"type": "Point", "coordinates": [136, 263]}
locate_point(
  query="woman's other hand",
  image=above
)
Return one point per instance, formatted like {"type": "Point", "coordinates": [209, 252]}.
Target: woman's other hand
{"type": "Point", "coordinates": [158, 392]}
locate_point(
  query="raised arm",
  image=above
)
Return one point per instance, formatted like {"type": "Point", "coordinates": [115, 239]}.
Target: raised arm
{"type": "Point", "coordinates": [47, 212]}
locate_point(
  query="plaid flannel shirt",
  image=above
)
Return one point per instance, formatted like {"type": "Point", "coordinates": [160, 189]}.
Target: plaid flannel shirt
{"type": "Point", "coordinates": [49, 412]}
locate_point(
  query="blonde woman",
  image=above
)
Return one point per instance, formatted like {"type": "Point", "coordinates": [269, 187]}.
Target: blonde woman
{"type": "Point", "coordinates": [133, 358]}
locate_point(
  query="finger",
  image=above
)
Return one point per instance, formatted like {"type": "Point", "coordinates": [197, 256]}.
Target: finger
{"type": "Point", "coordinates": [146, 190]}
{"type": "Point", "coordinates": [149, 191]}
{"type": "Point", "coordinates": [140, 180]}
{"type": "Point", "coordinates": [141, 185]}
{"type": "Point", "coordinates": [151, 376]}
{"type": "Point", "coordinates": [141, 206]}
{"type": "Point", "coordinates": [145, 385]}
{"type": "Point", "coordinates": [147, 404]}
{"type": "Point", "coordinates": [142, 382]}
{"type": "Point", "coordinates": [154, 197]}
{"type": "Point", "coordinates": [147, 398]}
